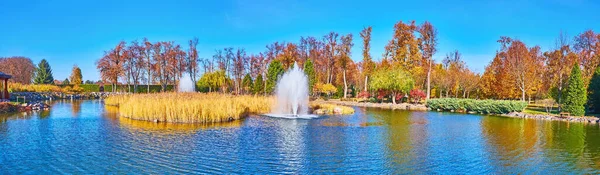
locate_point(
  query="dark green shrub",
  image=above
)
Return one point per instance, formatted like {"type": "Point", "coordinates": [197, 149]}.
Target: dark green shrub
{"type": "Point", "coordinates": [478, 106]}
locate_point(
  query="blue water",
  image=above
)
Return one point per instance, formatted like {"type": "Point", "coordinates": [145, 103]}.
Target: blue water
{"type": "Point", "coordinates": [83, 137]}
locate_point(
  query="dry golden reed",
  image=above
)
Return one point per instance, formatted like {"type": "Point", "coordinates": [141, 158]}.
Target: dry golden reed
{"type": "Point", "coordinates": [330, 108]}
{"type": "Point", "coordinates": [189, 107]}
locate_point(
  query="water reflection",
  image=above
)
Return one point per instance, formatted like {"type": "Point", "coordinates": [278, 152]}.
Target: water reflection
{"type": "Point", "coordinates": [84, 137]}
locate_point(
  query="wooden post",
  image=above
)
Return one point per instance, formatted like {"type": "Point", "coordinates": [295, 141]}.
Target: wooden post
{"type": "Point", "coordinates": [5, 94]}
{"type": "Point", "coordinates": [3, 88]}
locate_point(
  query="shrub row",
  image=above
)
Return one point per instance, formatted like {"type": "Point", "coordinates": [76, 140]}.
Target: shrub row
{"type": "Point", "coordinates": [478, 106]}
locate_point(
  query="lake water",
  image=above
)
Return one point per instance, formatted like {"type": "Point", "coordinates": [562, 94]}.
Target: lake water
{"type": "Point", "coordinates": [84, 137]}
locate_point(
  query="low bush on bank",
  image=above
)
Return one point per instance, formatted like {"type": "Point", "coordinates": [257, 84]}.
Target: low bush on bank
{"type": "Point", "coordinates": [189, 107]}
{"type": "Point", "coordinates": [18, 87]}
{"type": "Point", "coordinates": [329, 109]}
{"type": "Point", "coordinates": [478, 106]}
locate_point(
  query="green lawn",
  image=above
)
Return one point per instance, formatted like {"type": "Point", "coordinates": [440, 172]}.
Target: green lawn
{"type": "Point", "coordinates": [539, 110]}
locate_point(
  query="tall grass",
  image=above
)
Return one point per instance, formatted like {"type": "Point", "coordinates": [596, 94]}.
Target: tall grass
{"type": "Point", "coordinates": [189, 107]}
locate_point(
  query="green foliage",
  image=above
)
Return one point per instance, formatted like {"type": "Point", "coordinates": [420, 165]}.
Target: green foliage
{"type": "Point", "coordinates": [212, 81]}
{"type": "Point", "coordinates": [43, 73]}
{"type": "Point", "coordinates": [247, 83]}
{"type": "Point", "coordinates": [395, 80]}
{"type": "Point", "coordinates": [76, 77]}
{"type": "Point", "coordinates": [594, 91]}
{"type": "Point", "coordinates": [258, 85]}
{"type": "Point", "coordinates": [309, 70]}
{"type": "Point", "coordinates": [273, 72]}
{"type": "Point", "coordinates": [66, 81]}
{"type": "Point", "coordinates": [575, 95]}
{"type": "Point", "coordinates": [478, 106]}
{"type": "Point", "coordinates": [339, 93]}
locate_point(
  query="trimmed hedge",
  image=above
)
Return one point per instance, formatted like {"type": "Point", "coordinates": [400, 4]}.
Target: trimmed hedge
{"type": "Point", "coordinates": [478, 106]}
{"type": "Point", "coordinates": [108, 88]}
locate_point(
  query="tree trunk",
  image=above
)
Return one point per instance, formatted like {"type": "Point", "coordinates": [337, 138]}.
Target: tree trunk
{"type": "Point", "coordinates": [366, 80]}
{"type": "Point", "coordinates": [428, 82]}
{"type": "Point", "coordinates": [393, 97]}
{"type": "Point", "coordinates": [345, 84]}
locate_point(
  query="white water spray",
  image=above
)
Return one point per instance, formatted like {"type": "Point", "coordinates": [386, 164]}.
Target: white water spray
{"type": "Point", "coordinates": [186, 84]}
{"type": "Point", "coordinates": [292, 95]}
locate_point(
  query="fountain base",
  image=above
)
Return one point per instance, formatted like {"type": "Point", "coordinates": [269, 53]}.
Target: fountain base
{"type": "Point", "coordinates": [292, 116]}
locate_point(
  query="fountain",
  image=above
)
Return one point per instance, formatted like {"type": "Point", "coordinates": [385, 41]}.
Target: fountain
{"type": "Point", "coordinates": [292, 95]}
{"type": "Point", "coordinates": [186, 84]}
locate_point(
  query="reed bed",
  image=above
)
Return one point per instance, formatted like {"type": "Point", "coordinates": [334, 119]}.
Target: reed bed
{"type": "Point", "coordinates": [189, 107]}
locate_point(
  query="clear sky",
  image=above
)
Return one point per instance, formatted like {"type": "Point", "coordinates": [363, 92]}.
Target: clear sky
{"type": "Point", "coordinates": [77, 32]}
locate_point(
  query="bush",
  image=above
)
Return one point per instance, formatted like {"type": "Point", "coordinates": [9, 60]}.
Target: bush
{"type": "Point", "coordinates": [478, 106]}
{"type": "Point", "coordinates": [417, 95]}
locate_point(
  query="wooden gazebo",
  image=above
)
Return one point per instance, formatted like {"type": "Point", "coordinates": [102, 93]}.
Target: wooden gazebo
{"type": "Point", "coordinates": [4, 81]}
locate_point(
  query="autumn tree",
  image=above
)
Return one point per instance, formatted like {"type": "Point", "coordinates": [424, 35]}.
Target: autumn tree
{"type": "Point", "coordinates": [147, 52]}
{"type": "Point", "coordinates": [344, 59]}
{"type": "Point", "coordinates": [575, 95]}
{"type": "Point", "coordinates": [403, 49]}
{"type": "Point", "coordinates": [288, 56]}
{"type": "Point", "coordinates": [192, 59]}
{"type": "Point", "coordinates": [239, 68]}
{"type": "Point", "coordinates": [455, 67]}
{"type": "Point", "coordinates": [76, 77]}
{"type": "Point", "coordinates": [427, 45]}
{"type": "Point", "coordinates": [43, 73]}
{"type": "Point", "coordinates": [134, 64]}
{"type": "Point", "coordinates": [331, 53]}
{"type": "Point", "coordinates": [558, 66]}
{"type": "Point", "coordinates": [587, 46]}
{"type": "Point", "coordinates": [20, 68]}
{"type": "Point", "coordinates": [368, 66]}
{"type": "Point", "coordinates": [111, 65]}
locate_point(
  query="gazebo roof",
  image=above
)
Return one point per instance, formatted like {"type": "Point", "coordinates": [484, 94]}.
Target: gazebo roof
{"type": "Point", "coordinates": [4, 76]}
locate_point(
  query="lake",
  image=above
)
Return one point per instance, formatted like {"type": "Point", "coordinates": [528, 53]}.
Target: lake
{"type": "Point", "coordinates": [81, 137]}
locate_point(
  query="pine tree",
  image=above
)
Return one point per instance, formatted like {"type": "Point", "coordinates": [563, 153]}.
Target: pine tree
{"type": "Point", "coordinates": [309, 70]}
{"type": "Point", "coordinates": [43, 74]}
{"type": "Point", "coordinates": [76, 77]}
{"type": "Point", "coordinates": [273, 72]}
{"type": "Point", "coordinates": [258, 84]}
{"type": "Point", "coordinates": [247, 84]}
{"type": "Point", "coordinates": [594, 91]}
{"type": "Point", "coordinates": [575, 95]}
{"type": "Point", "coordinates": [66, 82]}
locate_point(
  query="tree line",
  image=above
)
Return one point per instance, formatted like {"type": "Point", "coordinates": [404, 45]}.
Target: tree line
{"type": "Point", "coordinates": [517, 71]}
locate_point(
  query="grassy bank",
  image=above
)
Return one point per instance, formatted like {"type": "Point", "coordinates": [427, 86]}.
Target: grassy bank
{"type": "Point", "coordinates": [189, 107]}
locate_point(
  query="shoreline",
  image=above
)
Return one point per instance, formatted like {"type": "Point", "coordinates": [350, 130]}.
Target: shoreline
{"type": "Point", "coordinates": [421, 107]}
{"type": "Point", "coordinates": [401, 106]}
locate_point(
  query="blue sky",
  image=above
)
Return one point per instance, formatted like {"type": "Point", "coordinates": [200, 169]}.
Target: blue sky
{"type": "Point", "coordinates": [77, 32]}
